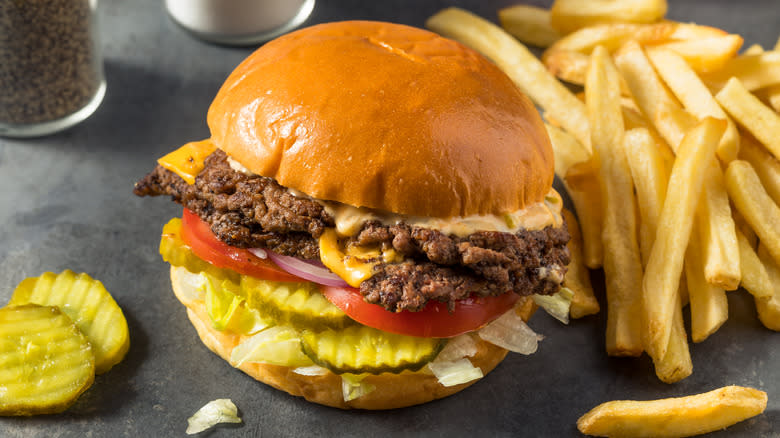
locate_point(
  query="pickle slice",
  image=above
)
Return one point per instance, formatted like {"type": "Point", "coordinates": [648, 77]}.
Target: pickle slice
{"type": "Point", "coordinates": [46, 362]}
{"type": "Point", "coordinates": [88, 304]}
{"type": "Point", "coordinates": [363, 349]}
{"type": "Point", "coordinates": [174, 251]}
{"type": "Point", "coordinates": [298, 304]}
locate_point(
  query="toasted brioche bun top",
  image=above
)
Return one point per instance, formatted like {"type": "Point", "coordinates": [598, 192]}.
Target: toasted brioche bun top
{"type": "Point", "coordinates": [384, 116]}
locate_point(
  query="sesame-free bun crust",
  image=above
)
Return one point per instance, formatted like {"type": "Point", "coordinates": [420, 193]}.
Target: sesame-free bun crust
{"type": "Point", "coordinates": [392, 390]}
{"type": "Point", "coordinates": [384, 116]}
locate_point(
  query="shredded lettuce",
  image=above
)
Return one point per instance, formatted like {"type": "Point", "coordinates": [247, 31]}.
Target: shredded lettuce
{"type": "Point", "coordinates": [451, 373]}
{"type": "Point", "coordinates": [227, 309]}
{"type": "Point", "coordinates": [457, 348]}
{"type": "Point", "coordinates": [352, 386]}
{"type": "Point", "coordinates": [277, 345]}
{"type": "Point", "coordinates": [556, 305]}
{"type": "Point", "coordinates": [193, 289]}
{"type": "Point", "coordinates": [509, 331]}
{"type": "Point", "coordinates": [313, 370]}
{"type": "Point", "coordinates": [214, 412]}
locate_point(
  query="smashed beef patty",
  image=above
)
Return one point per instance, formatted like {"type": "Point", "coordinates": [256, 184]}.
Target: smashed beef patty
{"type": "Point", "coordinates": [251, 211]}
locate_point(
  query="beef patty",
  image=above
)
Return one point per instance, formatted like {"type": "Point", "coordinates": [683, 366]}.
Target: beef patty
{"type": "Point", "coordinates": [254, 211]}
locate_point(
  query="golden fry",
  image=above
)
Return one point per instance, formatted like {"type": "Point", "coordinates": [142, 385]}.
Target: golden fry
{"type": "Point", "coordinates": [570, 15]}
{"type": "Point", "coordinates": [674, 417]}
{"type": "Point", "coordinates": [650, 94]}
{"type": "Point", "coordinates": [717, 230]}
{"type": "Point", "coordinates": [754, 71]}
{"type": "Point", "coordinates": [567, 65]}
{"type": "Point", "coordinates": [694, 95]}
{"type": "Point", "coordinates": [622, 263]}
{"type": "Point", "coordinates": [755, 205]}
{"type": "Point", "coordinates": [566, 149]}
{"type": "Point", "coordinates": [614, 35]}
{"type": "Point", "coordinates": [676, 363]}
{"type": "Point", "coordinates": [519, 63]}
{"type": "Point", "coordinates": [755, 278]}
{"type": "Point", "coordinates": [665, 265]}
{"type": "Point", "coordinates": [650, 176]}
{"type": "Point", "coordinates": [756, 117]}
{"type": "Point", "coordinates": [709, 306]}
{"type": "Point", "coordinates": [582, 184]}
{"type": "Point", "coordinates": [529, 24]}
{"type": "Point", "coordinates": [766, 166]}
{"type": "Point", "coordinates": [706, 54]}
{"type": "Point", "coordinates": [769, 307]}
{"type": "Point", "coordinates": [577, 277]}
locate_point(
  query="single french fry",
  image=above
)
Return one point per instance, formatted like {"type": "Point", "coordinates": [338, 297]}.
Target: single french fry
{"type": "Point", "coordinates": [719, 248]}
{"type": "Point", "coordinates": [614, 35]}
{"type": "Point", "coordinates": [769, 307]}
{"type": "Point", "coordinates": [650, 176]}
{"type": "Point", "coordinates": [694, 95]}
{"type": "Point", "coordinates": [674, 417]}
{"type": "Point", "coordinates": [755, 278]}
{"type": "Point", "coordinates": [706, 54]}
{"type": "Point", "coordinates": [766, 166]}
{"type": "Point", "coordinates": [566, 149]}
{"type": "Point", "coordinates": [756, 117]}
{"type": "Point", "coordinates": [676, 363]}
{"type": "Point", "coordinates": [651, 95]}
{"type": "Point", "coordinates": [693, 31]}
{"type": "Point", "coordinates": [754, 71]}
{"type": "Point", "coordinates": [569, 15]}
{"type": "Point", "coordinates": [529, 24]}
{"type": "Point", "coordinates": [622, 263]}
{"type": "Point", "coordinates": [709, 306]}
{"type": "Point", "coordinates": [567, 65]}
{"type": "Point", "coordinates": [518, 63]}
{"type": "Point", "coordinates": [755, 205]}
{"type": "Point", "coordinates": [744, 228]}
{"type": "Point", "coordinates": [633, 118]}
{"type": "Point", "coordinates": [577, 277]}
{"type": "Point", "coordinates": [582, 184]}
{"type": "Point", "coordinates": [665, 265]}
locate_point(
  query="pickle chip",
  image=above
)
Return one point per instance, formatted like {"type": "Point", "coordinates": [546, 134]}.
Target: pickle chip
{"type": "Point", "coordinates": [46, 362]}
{"type": "Point", "coordinates": [88, 304]}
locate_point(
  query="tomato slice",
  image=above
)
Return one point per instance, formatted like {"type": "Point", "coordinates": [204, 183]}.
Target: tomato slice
{"type": "Point", "coordinates": [197, 234]}
{"type": "Point", "coordinates": [434, 321]}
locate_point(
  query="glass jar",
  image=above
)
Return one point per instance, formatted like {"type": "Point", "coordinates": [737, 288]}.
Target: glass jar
{"type": "Point", "coordinates": [239, 22]}
{"type": "Point", "coordinates": [51, 73]}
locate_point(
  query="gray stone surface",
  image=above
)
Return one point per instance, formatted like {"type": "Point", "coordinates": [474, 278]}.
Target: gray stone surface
{"type": "Point", "coordinates": [66, 202]}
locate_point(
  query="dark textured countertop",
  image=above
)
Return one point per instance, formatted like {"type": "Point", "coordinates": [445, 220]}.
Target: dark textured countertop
{"type": "Point", "coordinates": [66, 202]}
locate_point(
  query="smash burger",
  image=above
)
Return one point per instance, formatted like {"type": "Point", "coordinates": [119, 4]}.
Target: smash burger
{"type": "Point", "coordinates": [369, 218]}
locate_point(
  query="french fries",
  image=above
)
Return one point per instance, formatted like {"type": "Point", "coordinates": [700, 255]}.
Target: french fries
{"type": "Point", "coordinates": [676, 364]}
{"type": "Point", "coordinates": [651, 95]}
{"type": "Point", "coordinates": [754, 71]}
{"type": "Point", "coordinates": [674, 417]}
{"type": "Point", "coordinates": [709, 307]}
{"type": "Point", "coordinates": [529, 24]}
{"type": "Point", "coordinates": [769, 307]}
{"type": "Point", "coordinates": [519, 63]}
{"type": "Point", "coordinates": [756, 117]}
{"type": "Point", "coordinates": [622, 263]}
{"type": "Point", "coordinates": [754, 204]}
{"type": "Point", "coordinates": [755, 278]}
{"type": "Point", "coordinates": [694, 95]}
{"type": "Point", "coordinates": [717, 231]}
{"type": "Point", "coordinates": [706, 54]}
{"type": "Point", "coordinates": [766, 166]}
{"type": "Point", "coordinates": [674, 228]}
{"type": "Point", "coordinates": [570, 15]}
{"type": "Point", "coordinates": [577, 277]}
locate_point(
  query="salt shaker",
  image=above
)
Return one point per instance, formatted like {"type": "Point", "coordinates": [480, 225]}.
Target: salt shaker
{"type": "Point", "coordinates": [239, 22]}
{"type": "Point", "coordinates": [51, 73]}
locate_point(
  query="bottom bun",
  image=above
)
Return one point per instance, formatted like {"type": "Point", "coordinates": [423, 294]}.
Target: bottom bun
{"type": "Point", "coordinates": [392, 390]}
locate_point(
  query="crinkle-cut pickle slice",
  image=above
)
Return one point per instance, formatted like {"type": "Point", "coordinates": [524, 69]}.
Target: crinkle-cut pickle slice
{"type": "Point", "coordinates": [363, 349]}
{"type": "Point", "coordinates": [46, 362]}
{"type": "Point", "coordinates": [88, 304]}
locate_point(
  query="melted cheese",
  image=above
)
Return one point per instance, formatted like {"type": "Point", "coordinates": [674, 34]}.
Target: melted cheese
{"type": "Point", "coordinates": [353, 264]}
{"type": "Point", "coordinates": [188, 160]}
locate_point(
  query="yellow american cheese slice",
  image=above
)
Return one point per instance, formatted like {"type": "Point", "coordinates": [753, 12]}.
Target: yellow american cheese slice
{"type": "Point", "coordinates": [188, 160]}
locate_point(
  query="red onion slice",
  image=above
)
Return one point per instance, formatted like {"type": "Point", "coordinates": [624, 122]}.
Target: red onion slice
{"type": "Point", "coordinates": [307, 269]}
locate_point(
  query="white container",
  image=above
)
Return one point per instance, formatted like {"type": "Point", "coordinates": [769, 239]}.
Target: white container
{"type": "Point", "coordinates": [239, 22]}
